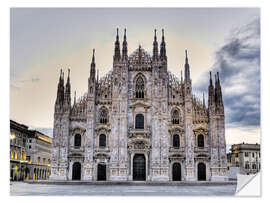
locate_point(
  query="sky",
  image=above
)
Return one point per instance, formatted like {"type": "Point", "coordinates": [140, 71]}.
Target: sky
{"type": "Point", "coordinates": [44, 40]}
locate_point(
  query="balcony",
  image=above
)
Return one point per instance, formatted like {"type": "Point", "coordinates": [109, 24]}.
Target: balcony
{"type": "Point", "coordinates": [174, 150]}
{"type": "Point", "coordinates": [144, 133]}
{"type": "Point", "coordinates": [102, 150]}
{"type": "Point", "coordinates": [76, 148]}
{"type": "Point", "coordinates": [201, 149]}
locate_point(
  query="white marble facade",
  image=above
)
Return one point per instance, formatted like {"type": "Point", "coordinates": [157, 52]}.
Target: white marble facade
{"type": "Point", "coordinates": [139, 122]}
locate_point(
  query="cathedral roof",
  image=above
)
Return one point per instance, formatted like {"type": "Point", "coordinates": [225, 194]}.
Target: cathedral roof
{"type": "Point", "coordinates": [140, 56]}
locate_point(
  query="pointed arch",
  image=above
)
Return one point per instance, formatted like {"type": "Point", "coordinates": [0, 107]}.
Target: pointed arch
{"type": "Point", "coordinates": [103, 115]}
{"type": "Point", "coordinates": [175, 116]}
{"type": "Point", "coordinates": [140, 86]}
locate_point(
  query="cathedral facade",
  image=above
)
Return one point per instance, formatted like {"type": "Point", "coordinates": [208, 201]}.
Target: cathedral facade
{"type": "Point", "coordinates": [139, 123]}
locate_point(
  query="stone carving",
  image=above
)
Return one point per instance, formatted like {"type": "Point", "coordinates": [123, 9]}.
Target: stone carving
{"type": "Point", "coordinates": [159, 92]}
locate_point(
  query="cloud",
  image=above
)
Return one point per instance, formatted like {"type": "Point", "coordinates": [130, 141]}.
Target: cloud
{"type": "Point", "coordinates": [16, 84]}
{"type": "Point", "coordinates": [29, 80]}
{"type": "Point", "coordinates": [238, 62]}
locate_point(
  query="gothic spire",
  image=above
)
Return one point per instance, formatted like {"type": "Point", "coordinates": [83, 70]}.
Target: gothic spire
{"type": "Point", "coordinates": [117, 55]}
{"type": "Point", "coordinates": [93, 67]}
{"type": "Point", "coordinates": [163, 47]}
{"type": "Point", "coordinates": [210, 92]}
{"type": "Point", "coordinates": [93, 59]}
{"type": "Point", "coordinates": [187, 70]}
{"type": "Point", "coordinates": [155, 47]}
{"type": "Point", "coordinates": [67, 93]}
{"type": "Point", "coordinates": [210, 80]}
{"type": "Point", "coordinates": [218, 91]}
{"type": "Point", "coordinates": [125, 50]}
{"type": "Point", "coordinates": [60, 89]}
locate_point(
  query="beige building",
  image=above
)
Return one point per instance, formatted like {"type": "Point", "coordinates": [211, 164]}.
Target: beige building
{"type": "Point", "coordinates": [39, 149]}
{"type": "Point", "coordinates": [246, 157]}
{"type": "Point", "coordinates": [30, 153]}
{"type": "Point", "coordinates": [18, 151]}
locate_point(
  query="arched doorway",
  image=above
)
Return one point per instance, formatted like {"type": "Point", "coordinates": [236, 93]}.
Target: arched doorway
{"type": "Point", "coordinates": [101, 172]}
{"type": "Point", "coordinates": [76, 171]}
{"type": "Point", "coordinates": [12, 173]}
{"type": "Point", "coordinates": [201, 171]}
{"type": "Point", "coordinates": [139, 167]}
{"type": "Point", "coordinates": [27, 173]}
{"type": "Point", "coordinates": [35, 174]}
{"type": "Point", "coordinates": [176, 169]}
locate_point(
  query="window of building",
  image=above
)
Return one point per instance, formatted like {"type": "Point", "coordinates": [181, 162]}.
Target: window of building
{"type": "Point", "coordinates": [139, 121]}
{"type": "Point", "coordinates": [28, 158]}
{"type": "Point", "coordinates": [175, 117]}
{"type": "Point", "coordinates": [102, 140]}
{"type": "Point", "coordinates": [29, 147]}
{"type": "Point", "coordinates": [253, 154]}
{"type": "Point", "coordinates": [247, 165]}
{"type": "Point", "coordinates": [24, 141]}
{"type": "Point", "coordinates": [103, 115]}
{"type": "Point", "coordinates": [44, 161]}
{"type": "Point", "coordinates": [254, 166]}
{"type": "Point", "coordinates": [77, 140]}
{"type": "Point", "coordinates": [38, 160]}
{"type": "Point", "coordinates": [30, 141]}
{"type": "Point", "coordinates": [246, 154]}
{"type": "Point", "coordinates": [139, 87]}
{"type": "Point", "coordinates": [176, 141]}
{"type": "Point", "coordinates": [200, 141]}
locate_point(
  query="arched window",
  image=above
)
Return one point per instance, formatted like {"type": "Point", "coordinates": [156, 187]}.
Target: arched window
{"type": "Point", "coordinates": [103, 115]}
{"type": "Point", "coordinates": [139, 121]}
{"type": "Point", "coordinates": [176, 141]}
{"type": "Point", "coordinates": [246, 165]}
{"type": "Point", "coordinates": [200, 140]}
{"type": "Point", "coordinates": [175, 117]}
{"type": "Point", "coordinates": [77, 140]}
{"type": "Point", "coordinates": [102, 140]}
{"type": "Point", "coordinates": [254, 166]}
{"type": "Point", "coordinates": [140, 87]}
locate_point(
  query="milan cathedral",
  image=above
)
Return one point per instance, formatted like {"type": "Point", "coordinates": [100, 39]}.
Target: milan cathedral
{"type": "Point", "coordinates": [139, 123]}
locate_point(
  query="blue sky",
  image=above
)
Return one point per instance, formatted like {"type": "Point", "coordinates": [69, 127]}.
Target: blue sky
{"type": "Point", "coordinates": [45, 40]}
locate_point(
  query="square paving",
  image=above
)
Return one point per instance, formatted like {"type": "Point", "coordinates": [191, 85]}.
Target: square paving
{"type": "Point", "coordinates": [26, 189]}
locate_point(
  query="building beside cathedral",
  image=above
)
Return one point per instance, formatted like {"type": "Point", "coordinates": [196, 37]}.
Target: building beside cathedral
{"type": "Point", "coordinates": [139, 123]}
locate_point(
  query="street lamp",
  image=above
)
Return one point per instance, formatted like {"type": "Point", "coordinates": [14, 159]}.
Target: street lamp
{"type": "Point", "coordinates": [12, 136]}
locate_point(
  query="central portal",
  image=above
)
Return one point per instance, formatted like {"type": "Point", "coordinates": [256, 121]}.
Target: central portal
{"type": "Point", "coordinates": [139, 167]}
{"type": "Point", "coordinates": [101, 172]}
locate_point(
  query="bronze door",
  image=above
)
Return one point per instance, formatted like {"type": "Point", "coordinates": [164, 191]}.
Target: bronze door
{"type": "Point", "coordinates": [139, 167]}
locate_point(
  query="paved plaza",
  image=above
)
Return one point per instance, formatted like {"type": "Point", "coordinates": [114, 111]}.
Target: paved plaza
{"type": "Point", "coordinates": [26, 189]}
